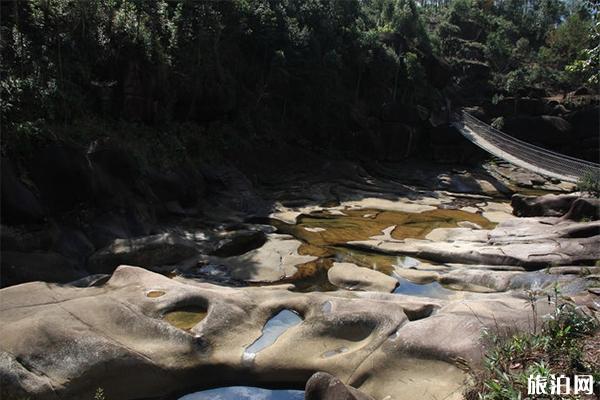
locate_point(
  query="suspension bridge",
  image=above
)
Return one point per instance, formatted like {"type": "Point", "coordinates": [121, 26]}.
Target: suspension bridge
{"type": "Point", "coordinates": [522, 154]}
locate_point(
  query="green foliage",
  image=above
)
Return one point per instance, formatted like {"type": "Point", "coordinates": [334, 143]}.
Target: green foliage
{"type": "Point", "coordinates": [524, 44]}
{"type": "Point", "coordinates": [99, 395]}
{"type": "Point", "coordinates": [253, 64]}
{"type": "Point", "coordinates": [589, 183]}
{"type": "Point", "coordinates": [587, 64]}
{"type": "Point", "coordinates": [511, 358]}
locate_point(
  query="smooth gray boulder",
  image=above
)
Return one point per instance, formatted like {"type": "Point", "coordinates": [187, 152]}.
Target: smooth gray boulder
{"type": "Point", "coordinates": [352, 277]}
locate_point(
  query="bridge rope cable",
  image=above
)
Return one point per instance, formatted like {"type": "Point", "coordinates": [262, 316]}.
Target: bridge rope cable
{"type": "Point", "coordinates": [511, 149]}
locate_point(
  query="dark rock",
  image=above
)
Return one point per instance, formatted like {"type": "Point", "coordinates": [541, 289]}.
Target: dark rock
{"type": "Point", "coordinates": [149, 251]}
{"type": "Point", "coordinates": [585, 122]}
{"type": "Point", "coordinates": [323, 386]}
{"type": "Point", "coordinates": [240, 243]}
{"type": "Point", "coordinates": [19, 204]}
{"type": "Point", "coordinates": [545, 130]}
{"type": "Point", "coordinates": [18, 267]}
{"type": "Point", "coordinates": [582, 91]}
{"type": "Point", "coordinates": [111, 225]}
{"type": "Point", "coordinates": [185, 186]}
{"type": "Point", "coordinates": [113, 159]}
{"type": "Point", "coordinates": [63, 176]}
{"type": "Point", "coordinates": [549, 205]}
{"type": "Point", "coordinates": [472, 69]}
{"type": "Point", "coordinates": [559, 110]}
{"type": "Point", "coordinates": [584, 208]}
{"type": "Point", "coordinates": [510, 106]}
{"type": "Point", "coordinates": [438, 70]}
{"type": "Point", "coordinates": [74, 244]}
{"type": "Point", "coordinates": [396, 141]}
{"type": "Point", "coordinates": [26, 240]}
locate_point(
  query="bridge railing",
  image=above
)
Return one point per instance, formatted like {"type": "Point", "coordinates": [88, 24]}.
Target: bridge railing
{"type": "Point", "coordinates": [545, 160]}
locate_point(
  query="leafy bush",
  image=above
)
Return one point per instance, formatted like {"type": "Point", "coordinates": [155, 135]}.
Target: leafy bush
{"type": "Point", "coordinates": [512, 358]}
{"type": "Point", "coordinates": [589, 183]}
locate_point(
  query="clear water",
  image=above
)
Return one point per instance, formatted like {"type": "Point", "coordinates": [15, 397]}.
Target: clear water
{"type": "Point", "coordinates": [275, 327]}
{"type": "Point", "coordinates": [244, 393]}
{"type": "Point", "coordinates": [407, 262]}
{"type": "Point", "coordinates": [433, 289]}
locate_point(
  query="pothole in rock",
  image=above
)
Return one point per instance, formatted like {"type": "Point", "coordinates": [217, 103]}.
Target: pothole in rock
{"type": "Point", "coordinates": [432, 289]}
{"type": "Point", "coordinates": [351, 330]}
{"type": "Point", "coordinates": [245, 393]}
{"type": "Point", "coordinates": [334, 352]}
{"type": "Point", "coordinates": [273, 329]}
{"type": "Point", "coordinates": [326, 307]}
{"type": "Point", "coordinates": [186, 318]}
{"type": "Point", "coordinates": [416, 314]}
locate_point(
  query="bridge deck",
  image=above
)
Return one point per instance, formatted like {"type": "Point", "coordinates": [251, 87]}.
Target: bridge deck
{"type": "Point", "coordinates": [522, 154]}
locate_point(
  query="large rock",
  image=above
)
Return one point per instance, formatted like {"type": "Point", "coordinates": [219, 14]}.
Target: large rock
{"type": "Point", "coordinates": [18, 267]}
{"type": "Point", "coordinates": [584, 208]}
{"type": "Point", "coordinates": [530, 242]}
{"type": "Point", "coordinates": [276, 260]}
{"type": "Point", "coordinates": [238, 243]}
{"type": "Point", "coordinates": [324, 386]}
{"type": "Point", "coordinates": [64, 177]}
{"type": "Point", "coordinates": [151, 251]}
{"type": "Point", "coordinates": [549, 205]}
{"type": "Point", "coordinates": [544, 130]}
{"type": "Point", "coordinates": [183, 186]}
{"type": "Point", "coordinates": [143, 335]}
{"type": "Point", "coordinates": [114, 159]}
{"type": "Point", "coordinates": [478, 280]}
{"type": "Point", "coordinates": [352, 277]}
{"type": "Point", "coordinates": [19, 204]}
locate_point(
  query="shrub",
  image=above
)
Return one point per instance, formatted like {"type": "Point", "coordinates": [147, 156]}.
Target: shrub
{"type": "Point", "coordinates": [510, 359]}
{"type": "Point", "coordinates": [589, 183]}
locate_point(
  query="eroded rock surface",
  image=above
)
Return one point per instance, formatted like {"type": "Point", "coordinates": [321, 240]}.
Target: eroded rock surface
{"type": "Point", "coordinates": [352, 277]}
{"type": "Point", "coordinates": [65, 342]}
{"type": "Point", "coordinates": [549, 205]}
{"type": "Point", "coordinates": [529, 242]}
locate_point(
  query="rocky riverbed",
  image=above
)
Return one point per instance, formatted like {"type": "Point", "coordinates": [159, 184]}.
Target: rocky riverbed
{"type": "Point", "coordinates": [383, 279]}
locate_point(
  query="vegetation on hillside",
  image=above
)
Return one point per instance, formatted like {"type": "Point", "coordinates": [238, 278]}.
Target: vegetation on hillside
{"type": "Point", "coordinates": [316, 71]}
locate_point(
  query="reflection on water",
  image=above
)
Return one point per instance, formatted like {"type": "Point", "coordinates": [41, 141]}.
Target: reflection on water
{"type": "Point", "coordinates": [323, 229]}
{"type": "Point", "coordinates": [275, 327]}
{"type": "Point", "coordinates": [244, 393]}
{"type": "Point", "coordinates": [433, 289]}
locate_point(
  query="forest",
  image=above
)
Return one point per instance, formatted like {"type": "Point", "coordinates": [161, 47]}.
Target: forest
{"type": "Point", "coordinates": [202, 76]}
